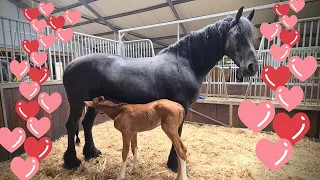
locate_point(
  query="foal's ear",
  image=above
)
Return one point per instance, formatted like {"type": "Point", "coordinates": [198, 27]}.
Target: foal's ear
{"type": "Point", "coordinates": [89, 103]}
{"type": "Point", "coordinates": [250, 17]}
{"type": "Point", "coordinates": [238, 16]}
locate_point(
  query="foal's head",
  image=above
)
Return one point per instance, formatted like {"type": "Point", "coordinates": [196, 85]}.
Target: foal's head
{"type": "Point", "coordinates": [99, 103]}
{"type": "Point", "coordinates": [239, 45]}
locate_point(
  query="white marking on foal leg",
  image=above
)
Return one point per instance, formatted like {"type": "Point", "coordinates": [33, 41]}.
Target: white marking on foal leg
{"type": "Point", "coordinates": [183, 165]}
{"type": "Point", "coordinates": [135, 159]}
{"type": "Point", "coordinates": [122, 174]}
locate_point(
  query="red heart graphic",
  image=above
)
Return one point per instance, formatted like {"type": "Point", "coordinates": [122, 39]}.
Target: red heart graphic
{"type": "Point", "coordinates": [39, 75]}
{"type": "Point", "coordinates": [293, 129]}
{"type": "Point", "coordinates": [290, 38]}
{"type": "Point", "coordinates": [56, 23]}
{"type": "Point", "coordinates": [31, 13]}
{"type": "Point", "coordinates": [38, 149]}
{"type": "Point", "coordinates": [27, 110]}
{"type": "Point", "coordinates": [30, 47]}
{"type": "Point", "coordinates": [275, 78]}
{"type": "Point", "coordinates": [281, 10]}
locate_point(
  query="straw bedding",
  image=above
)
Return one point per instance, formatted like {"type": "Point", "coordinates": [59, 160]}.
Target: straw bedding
{"type": "Point", "coordinates": [213, 153]}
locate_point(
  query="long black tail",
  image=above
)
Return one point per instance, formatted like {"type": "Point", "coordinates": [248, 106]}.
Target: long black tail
{"type": "Point", "coordinates": [77, 136]}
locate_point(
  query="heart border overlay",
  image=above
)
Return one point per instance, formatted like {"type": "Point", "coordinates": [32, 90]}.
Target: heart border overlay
{"type": "Point", "coordinates": [27, 110]}
{"type": "Point", "coordinates": [287, 130]}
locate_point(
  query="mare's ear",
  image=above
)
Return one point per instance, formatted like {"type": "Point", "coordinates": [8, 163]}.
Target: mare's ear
{"type": "Point", "coordinates": [89, 103]}
{"type": "Point", "coordinates": [250, 17]}
{"type": "Point", "coordinates": [238, 16]}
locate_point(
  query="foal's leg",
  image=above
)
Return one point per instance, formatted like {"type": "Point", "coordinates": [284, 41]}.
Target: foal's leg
{"type": "Point", "coordinates": [173, 159]}
{"type": "Point", "coordinates": [89, 150]}
{"type": "Point", "coordinates": [173, 134]}
{"type": "Point", "coordinates": [70, 158]}
{"type": "Point", "coordinates": [134, 149]}
{"type": "Point", "coordinates": [126, 138]}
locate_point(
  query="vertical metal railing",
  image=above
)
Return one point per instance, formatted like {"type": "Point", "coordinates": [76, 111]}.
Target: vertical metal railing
{"type": "Point", "coordinates": [138, 48]}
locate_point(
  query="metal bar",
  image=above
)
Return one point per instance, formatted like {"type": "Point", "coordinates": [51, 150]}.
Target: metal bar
{"type": "Point", "coordinates": [268, 6]}
{"type": "Point", "coordinates": [158, 6]}
{"type": "Point", "coordinates": [208, 117]}
{"type": "Point", "coordinates": [6, 49]}
{"type": "Point", "coordinates": [177, 16]}
{"type": "Point", "coordinates": [68, 7]}
{"type": "Point", "coordinates": [111, 26]}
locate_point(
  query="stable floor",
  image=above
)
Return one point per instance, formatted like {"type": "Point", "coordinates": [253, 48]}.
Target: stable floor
{"type": "Point", "coordinates": [213, 153]}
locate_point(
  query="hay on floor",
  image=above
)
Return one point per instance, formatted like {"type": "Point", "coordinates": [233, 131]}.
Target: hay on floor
{"type": "Point", "coordinates": [213, 153]}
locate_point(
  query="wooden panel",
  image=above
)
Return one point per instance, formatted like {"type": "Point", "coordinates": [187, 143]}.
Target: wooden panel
{"type": "Point", "coordinates": [63, 110]}
{"type": "Point", "coordinates": [4, 155]}
{"type": "Point", "coordinates": [223, 114]}
{"type": "Point", "coordinates": [235, 117]}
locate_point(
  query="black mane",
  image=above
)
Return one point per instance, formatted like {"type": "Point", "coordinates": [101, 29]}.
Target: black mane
{"type": "Point", "coordinates": [203, 48]}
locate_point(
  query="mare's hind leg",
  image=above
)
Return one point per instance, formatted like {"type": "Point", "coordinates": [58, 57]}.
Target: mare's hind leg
{"type": "Point", "coordinates": [89, 149]}
{"type": "Point", "coordinates": [70, 158]}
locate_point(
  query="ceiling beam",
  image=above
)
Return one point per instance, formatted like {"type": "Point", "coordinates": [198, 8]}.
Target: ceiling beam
{"type": "Point", "coordinates": [78, 4]}
{"type": "Point", "coordinates": [173, 9]}
{"type": "Point", "coordinates": [19, 3]}
{"type": "Point", "coordinates": [133, 12]}
{"type": "Point", "coordinates": [111, 26]}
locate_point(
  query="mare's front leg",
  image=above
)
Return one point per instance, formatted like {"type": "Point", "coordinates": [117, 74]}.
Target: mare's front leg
{"type": "Point", "coordinates": [70, 158]}
{"type": "Point", "coordinates": [126, 138]}
{"type": "Point", "coordinates": [89, 149]}
{"type": "Point", "coordinates": [173, 158]}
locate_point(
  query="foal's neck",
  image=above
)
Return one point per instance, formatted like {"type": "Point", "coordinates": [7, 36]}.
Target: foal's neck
{"type": "Point", "coordinates": [113, 111]}
{"type": "Point", "coordinates": [203, 48]}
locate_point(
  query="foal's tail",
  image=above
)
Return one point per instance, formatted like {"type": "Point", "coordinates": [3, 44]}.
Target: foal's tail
{"type": "Point", "coordinates": [77, 136]}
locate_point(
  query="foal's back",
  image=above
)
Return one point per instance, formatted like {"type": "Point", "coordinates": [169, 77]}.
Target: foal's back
{"type": "Point", "coordinates": [145, 117]}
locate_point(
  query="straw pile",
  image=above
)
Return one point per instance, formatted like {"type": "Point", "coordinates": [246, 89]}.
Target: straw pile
{"type": "Point", "coordinates": [213, 153]}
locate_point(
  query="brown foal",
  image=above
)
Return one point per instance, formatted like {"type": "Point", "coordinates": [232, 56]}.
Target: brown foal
{"type": "Point", "coordinates": [130, 119]}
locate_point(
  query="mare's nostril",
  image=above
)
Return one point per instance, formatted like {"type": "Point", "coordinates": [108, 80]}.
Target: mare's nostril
{"type": "Point", "coordinates": [251, 68]}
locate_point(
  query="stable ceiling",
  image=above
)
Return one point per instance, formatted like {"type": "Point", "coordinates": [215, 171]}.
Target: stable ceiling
{"type": "Point", "coordinates": [122, 14]}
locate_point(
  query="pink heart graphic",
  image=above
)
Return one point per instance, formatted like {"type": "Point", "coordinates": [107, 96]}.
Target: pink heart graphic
{"type": "Point", "coordinates": [64, 35]}
{"type": "Point", "coordinates": [49, 103]}
{"type": "Point", "coordinates": [38, 26]}
{"type": "Point", "coordinates": [289, 22]}
{"type": "Point", "coordinates": [274, 156]}
{"type": "Point", "coordinates": [270, 31]}
{"type": "Point", "coordinates": [29, 90]}
{"type": "Point", "coordinates": [302, 69]}
{"type": "Point", "coordinates": [296, 5]}
{"type": "Point", "coordinates": [255, 117]}
{"type": "Point", "coordinates": [46, 41]}
{"type": "Point", "coordinates": [11, 141]}
{"type": "Point", "coordinates": [46, 9]}
{"type": "Point", "coordinates": [280, 53]}
{"type": "Point", "coordinates": [19, 69]}
{"type": "Point", "coordinates": [38, 128]}
{"type": "Point", "coordinates": [24, 170]}
{"type": "Point", "coordinates": [38, 59]}
{"type": "Point", "coordinates": [289, 99]}
{"type": "Point", "coordinates": [72, 17]}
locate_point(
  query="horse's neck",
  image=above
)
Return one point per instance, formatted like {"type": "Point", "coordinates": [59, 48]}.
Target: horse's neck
{"type": "Point", "coordinates": [112, 111]}
{"type": "Point", "coordinates": [203, 48]}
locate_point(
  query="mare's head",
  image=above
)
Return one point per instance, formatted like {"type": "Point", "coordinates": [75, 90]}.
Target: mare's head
{"type": "Point", "coordinates": [239, 45]}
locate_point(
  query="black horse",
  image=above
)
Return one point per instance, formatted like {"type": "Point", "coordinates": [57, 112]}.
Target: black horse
{"type": "Point", "coordinates": [176, 73]}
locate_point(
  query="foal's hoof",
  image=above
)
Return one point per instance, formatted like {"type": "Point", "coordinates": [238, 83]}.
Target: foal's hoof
{"type": "Point", "coordinates": [91, 153]}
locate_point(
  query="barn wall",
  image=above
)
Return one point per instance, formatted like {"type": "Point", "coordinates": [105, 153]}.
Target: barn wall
{"type": "Point", "coordinates": [58, 117]}
{"type": "Point", "coordinates": [223, 113]}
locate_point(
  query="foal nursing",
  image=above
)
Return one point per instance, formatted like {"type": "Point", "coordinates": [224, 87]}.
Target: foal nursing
{"type": "Point", "coordinates": [130, 119]}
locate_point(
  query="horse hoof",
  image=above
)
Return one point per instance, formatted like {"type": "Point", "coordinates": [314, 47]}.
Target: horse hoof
{"type": "Point", "coordinates": [70, 160]}
{"type": "Point", "coordinates": [173, 168]}
{"type": "Point", "coordinates": [91, 153]}
{"type": "Point", "coordinates": [71, 165]}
